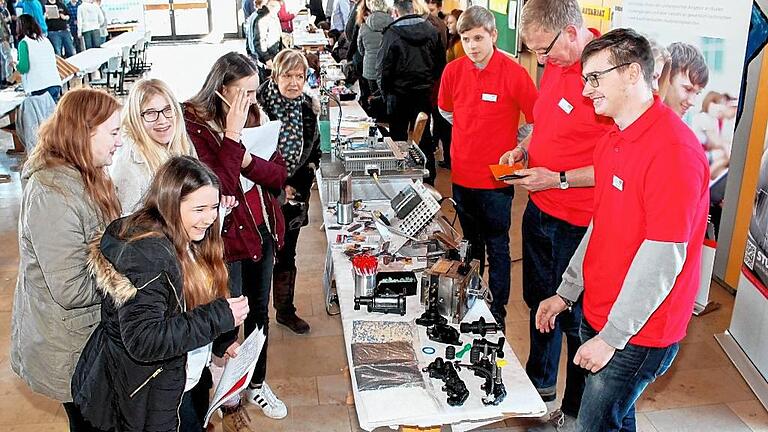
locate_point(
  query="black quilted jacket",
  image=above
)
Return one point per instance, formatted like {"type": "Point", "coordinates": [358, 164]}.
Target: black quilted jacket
{"type": "Point", "coordinates": [131, 374]}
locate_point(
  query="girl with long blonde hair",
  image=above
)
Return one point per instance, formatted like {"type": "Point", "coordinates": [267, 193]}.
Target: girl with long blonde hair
{"type": "Point", "coordinates": [164, 281]}
{"type": "Point", "coordinates": [153, 132]}
{"type": "Point", "coordinates": [67, 201]}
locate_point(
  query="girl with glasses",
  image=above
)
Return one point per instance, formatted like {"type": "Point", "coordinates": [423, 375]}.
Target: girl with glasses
{"type": "Point", "coordinates": [153, 132]}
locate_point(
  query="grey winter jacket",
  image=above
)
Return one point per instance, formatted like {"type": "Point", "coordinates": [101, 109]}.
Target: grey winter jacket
{"type": "Point", "coordinates": [369, 42]}
{"type": "Point", "coordinates": [32, 113]}
{"type": "Point", "coordinates": [56, 305]}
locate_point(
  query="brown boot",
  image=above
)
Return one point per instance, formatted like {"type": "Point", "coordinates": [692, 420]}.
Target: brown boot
{"type": "Point", "coordinates": [236, 419]}
{"type": "Point", "coordinates": [283, 284]}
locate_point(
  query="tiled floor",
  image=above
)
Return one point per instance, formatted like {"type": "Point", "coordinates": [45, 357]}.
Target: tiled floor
{"type": "Point", "coordinates": [702, 392]}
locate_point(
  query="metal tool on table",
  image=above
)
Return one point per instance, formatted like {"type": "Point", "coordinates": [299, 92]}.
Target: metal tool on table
{"type": "Point", "coordinates": [452, 292]}
{"type": "Point", "coordinates": [454, 387]}
{"type": "Point", "coordinates": [364, 269]}
{"type": "Point", "coordinates": [480, 327]}
{"type": "Point", "coordinates": [394, 304]}
{"type": "Point", "coordinates": [483, 362]}
{"type": "Point", "coordinates": [345, 209]}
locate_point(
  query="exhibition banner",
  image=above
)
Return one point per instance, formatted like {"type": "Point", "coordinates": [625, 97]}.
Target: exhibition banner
{"type": "Point", "coordinates": [700, 51]}
{"type": "Point", "coordinates": [718, 31]}
{"type": "Point", "coordinates": [756, 253]}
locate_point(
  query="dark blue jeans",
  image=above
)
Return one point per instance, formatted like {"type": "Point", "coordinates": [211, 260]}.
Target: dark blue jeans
{"type": "Point", "coordinates": [610, 394]}
{"type": "Point", "coordinates": [548, 245]}
{"type": "Point", "coordinates": [92, 39]}
{"type": "Point", "coordinates": [485, 216]}
{"type": "Point", "coordinates": [254, 280]}
{"type": "Point", "coordinates": [194, 405]}
{"type": "Point", "coordinates": [62, 42]}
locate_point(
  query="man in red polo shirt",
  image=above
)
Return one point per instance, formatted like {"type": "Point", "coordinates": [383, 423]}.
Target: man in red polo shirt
{"type": "Point", "coordinates": [483, 94]}
{"type": "Point", "coordinates": [638, 265]}
{"type": "Point", "coordinates": [560, 179]}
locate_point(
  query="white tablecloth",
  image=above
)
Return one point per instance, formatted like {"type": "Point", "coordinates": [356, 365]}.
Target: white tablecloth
{"type": "Point", "coordinates": [10, 100]}
{"type": "Point", "coordinates": [90, 60]}
{"type": "Point", "coordinates": [127, 39]}
{"type": "Point", "coordinates": [416, 406]}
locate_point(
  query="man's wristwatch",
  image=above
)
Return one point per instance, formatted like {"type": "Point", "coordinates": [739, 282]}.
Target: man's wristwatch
{"type": "Point", "coordinates": [567, 302]}
{"type": "Point", "coordinates": [563, 181]}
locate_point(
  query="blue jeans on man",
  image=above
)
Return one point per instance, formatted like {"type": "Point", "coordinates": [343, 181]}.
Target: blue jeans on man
{"type": "Point", "coordinates": [92, 39]}
{"type": "Point", "coordinates": [610, 394]}
{"type": "Point", "coordinates": [485, 216]}
{"type": "Point", "coordinates": [62, 42]}
{"type": "Point", "coordinates": [548, 245]}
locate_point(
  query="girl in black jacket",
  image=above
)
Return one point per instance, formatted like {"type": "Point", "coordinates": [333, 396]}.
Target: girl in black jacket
{"type": "Point", "coordinates": [165, 286]}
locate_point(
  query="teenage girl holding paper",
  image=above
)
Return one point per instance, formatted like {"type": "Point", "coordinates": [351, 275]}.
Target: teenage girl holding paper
{"type": "Point", "coordinates": [252, 233]}
{"type": "Point", "coordinates": [165, 299]}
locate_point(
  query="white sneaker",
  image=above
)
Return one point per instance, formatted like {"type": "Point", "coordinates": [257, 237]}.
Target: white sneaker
{"type": "Point", "coordinates": [272, 407]}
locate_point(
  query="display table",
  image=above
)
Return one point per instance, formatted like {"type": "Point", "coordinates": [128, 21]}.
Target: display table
{"type": "Point", "coordinates": [10, 100]}
{"type": "Point", "coordinates": [127, 39]}
{"type": "Point", "coordinates": [421, 406]}
{"type": "Point", "coordinates": [353, 120]}
{"type": "Point", "coordinates": [90, 60]}
{"type": "Point", "coordinates": [316, 41]}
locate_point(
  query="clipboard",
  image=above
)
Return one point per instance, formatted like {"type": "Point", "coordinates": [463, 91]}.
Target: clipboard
{"type": "Point", "coordinates": [52, 12]}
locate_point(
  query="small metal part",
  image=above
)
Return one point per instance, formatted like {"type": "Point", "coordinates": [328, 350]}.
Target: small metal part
{"type": "Point", "coordinates": [443, 333]}
{"type": "Point", "coordinates": [450, 352]}
{"type": "Point", "coordinates": [382, 304]}
{"type": "Point", "coordinates": [480, 327]}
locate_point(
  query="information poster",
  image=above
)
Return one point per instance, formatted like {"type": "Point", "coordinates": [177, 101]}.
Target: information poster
{"type": "Point", "coordinates": [749, 322]}
{"type": "Point", "coordinates": [718, 30]}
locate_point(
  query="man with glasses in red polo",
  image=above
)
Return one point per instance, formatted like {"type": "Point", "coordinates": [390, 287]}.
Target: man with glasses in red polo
{"type": "Point", "coordinates": [638, 266]}
{"type": "Point", "coordinates": [560, 179]}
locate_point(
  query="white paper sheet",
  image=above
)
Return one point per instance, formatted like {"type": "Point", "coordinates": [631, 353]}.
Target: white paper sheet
{"type": "Point", "coordinates": [259, 141]}
{"type": "Point", "coordinates": [238, 371]}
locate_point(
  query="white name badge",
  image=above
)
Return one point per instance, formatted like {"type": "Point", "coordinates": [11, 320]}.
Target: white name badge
{"type": "Point", "coordinates": [565, 106]}
{"type": "Point", "coordinates": [618, 183]}
{"type": "Point", "coordinates": [489, 97]}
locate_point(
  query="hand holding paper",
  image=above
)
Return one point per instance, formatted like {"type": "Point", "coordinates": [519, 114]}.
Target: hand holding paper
{"type": "Point", "coordinates": [260, 141]}
{"type": "Point", "coordinates": [238, 371]}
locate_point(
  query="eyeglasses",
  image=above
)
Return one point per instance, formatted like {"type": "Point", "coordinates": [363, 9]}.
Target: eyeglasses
{"type": "Point", "coordinates": [152, 115]}
{"type": "Point", "coordinates": [548, 48]}
{"type": "Point", "coordinates": [593, 77]}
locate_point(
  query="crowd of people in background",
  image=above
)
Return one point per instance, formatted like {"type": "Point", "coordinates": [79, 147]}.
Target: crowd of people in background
{"type": "Point", "coordinates": [152, 223]}
{"type": "Point", "coordinates": [74, 26]}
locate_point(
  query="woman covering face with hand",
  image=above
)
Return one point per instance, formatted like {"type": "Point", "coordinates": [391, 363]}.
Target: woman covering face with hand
{"type": "Point", "coordinates": [216, 117]}
{"type": "Point", "coordinates": [67, 201]}
{"type": "Point", "coordinates": [153, 132]}
{"type": "Point", "coordinates": [165, 294]}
